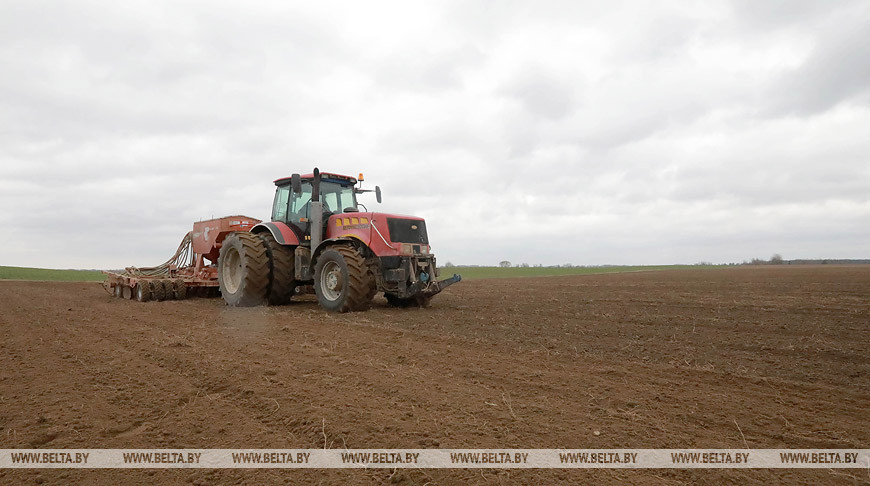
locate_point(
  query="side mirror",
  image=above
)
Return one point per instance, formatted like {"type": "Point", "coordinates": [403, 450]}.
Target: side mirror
{"type": "Point", "coordinates": [378, 193]}
{"type": "Point", "coordinates": [296, 183]}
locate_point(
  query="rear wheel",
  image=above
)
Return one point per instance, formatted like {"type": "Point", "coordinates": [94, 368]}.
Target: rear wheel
{"type": "Point", "coordinates": [243, 270]}
{"type": "Point", "coordinates": [283, 270]}
{"type": "Point", "coordinates": [118, 291]}
{"type": "Point", "coordinates": [343, 281]}
{"type": "Point", "coordinates": [143, 291]}
{"type": "Point", "coordinates": [127, 292]}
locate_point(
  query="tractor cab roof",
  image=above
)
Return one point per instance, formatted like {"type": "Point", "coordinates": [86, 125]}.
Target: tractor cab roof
{"type": "Point", "coordinates": [324, 177]}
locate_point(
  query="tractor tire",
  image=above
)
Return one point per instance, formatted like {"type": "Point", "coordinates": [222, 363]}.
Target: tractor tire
{"type": "Point", "coordinates": [282, 270]}
{"type": "Point", "coordinates": [169, 289]}
{"type": "Point", "coordinates": [158, 291]}
{"type": "Point", "coordinates": [343, 281]}
{"type": "Point", "coordinates": [143, 291]}
{"type": "Point", "coordinates": [243, 270]}
{"type": "Point", "coordinates": [416, 301]}
{"type": "Point", "coordinates": [179, 289]}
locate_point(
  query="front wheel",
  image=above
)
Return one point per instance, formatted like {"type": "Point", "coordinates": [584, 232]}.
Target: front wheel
{"type": "Point", "coordinates": [343, 281]}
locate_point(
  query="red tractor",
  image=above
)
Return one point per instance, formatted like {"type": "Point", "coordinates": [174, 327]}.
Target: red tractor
{"type": "Point", "coordinates": [318, 237]}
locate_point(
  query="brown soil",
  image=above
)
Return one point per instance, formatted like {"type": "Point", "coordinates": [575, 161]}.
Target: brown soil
{"type": "Point", "coordinates": [673, 359]}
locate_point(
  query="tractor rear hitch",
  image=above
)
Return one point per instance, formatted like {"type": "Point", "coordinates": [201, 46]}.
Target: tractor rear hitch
{"type": "Point", "coordinates": [440, 285]}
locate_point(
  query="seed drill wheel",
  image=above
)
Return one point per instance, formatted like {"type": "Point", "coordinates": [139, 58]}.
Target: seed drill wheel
{"type": "Point", "coordinates": [117, 290]}
{"type": "Point", "coordinates": [282, 270]}
{"type": "Point", "coordinates": [143, 291]}
{"type": "Point", "coordinates": [343, 281]}
{"type": "Point", "coordinates": [179, 289]}
{"type": "Point", "coordinates": [243, 270]}
{"type": "Point", "coordinates": [127, 292]}
{"type": "Point", "coordinates": [158, 291]}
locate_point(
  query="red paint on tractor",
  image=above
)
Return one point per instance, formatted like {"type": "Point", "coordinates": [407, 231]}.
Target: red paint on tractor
{"type": "Point", "coordinates": [374, 234]}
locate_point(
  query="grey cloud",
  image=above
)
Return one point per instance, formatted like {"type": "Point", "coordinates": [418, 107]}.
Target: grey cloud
{"type": "Point", "coordinates": [543, 94]}
{"type": "Point", "coordinates": [426, 71]}
{"type": "Point", "coordinates": [778, 14]}
{"type": "Point", "coordinates": [624, 133]}
{"type": "Point", "coordinates": [89, 69]}
{"type": "Point", "coordinates": [837, 71]}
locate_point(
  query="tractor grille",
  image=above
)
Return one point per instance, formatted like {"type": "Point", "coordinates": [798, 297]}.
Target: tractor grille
{"type": "Point", "coordinates": [407, 231]}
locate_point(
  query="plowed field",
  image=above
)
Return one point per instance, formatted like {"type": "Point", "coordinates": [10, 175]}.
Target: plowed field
{"type": "Point", "coordinates": [764, 357]}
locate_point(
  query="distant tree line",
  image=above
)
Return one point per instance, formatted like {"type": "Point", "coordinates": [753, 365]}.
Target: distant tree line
{"type": "Point", "coordinates": [775, 259]}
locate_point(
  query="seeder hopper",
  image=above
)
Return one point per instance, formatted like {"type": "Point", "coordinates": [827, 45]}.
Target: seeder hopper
{"type": "Point", "coordinates": [192, 270]}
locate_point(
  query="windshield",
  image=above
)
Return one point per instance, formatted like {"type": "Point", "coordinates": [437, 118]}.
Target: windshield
{"type": "Point", "coordinates": [296, 208]}
{"type": "Point", "coordinates": [336, 198]}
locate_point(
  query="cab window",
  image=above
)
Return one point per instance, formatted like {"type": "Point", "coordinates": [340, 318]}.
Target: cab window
{"type": "Point", "coordinates": [279, 207]}
{"type": "Point", "coordinates": [299, 205]}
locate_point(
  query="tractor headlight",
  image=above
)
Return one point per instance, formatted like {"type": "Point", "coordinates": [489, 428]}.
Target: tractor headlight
{"type": "Point", "coordinates": [412, 249]}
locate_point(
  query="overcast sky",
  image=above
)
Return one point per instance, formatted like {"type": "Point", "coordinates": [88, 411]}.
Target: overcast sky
{"type": "Point", "coordinates": [538, 132]}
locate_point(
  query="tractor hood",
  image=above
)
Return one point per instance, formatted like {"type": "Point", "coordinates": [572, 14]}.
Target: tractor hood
{"type": "Point", "coordinates": [386, 233]}
{"type": "Point", "coordinates": [401, 228]}
{"type": "Point", "coordinates": [390, 215]}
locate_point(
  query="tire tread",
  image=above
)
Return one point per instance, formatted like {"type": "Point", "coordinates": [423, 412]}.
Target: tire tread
{"type": "Point", "coordinates": [255, 279]}
{"type": "Point", "coordinates": [361, 279]}
{"type": "Point", "coordinates": [281, 272]}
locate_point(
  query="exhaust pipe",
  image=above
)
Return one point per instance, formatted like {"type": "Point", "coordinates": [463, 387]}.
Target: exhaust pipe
{"type": "Point", "coordinates": [316, 216]}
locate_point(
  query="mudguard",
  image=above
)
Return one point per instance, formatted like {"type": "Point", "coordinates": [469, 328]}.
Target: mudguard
{"type": "Point", "coordinates": [283, 234]}
{"type": "Point", "coordinates": [331, 241]}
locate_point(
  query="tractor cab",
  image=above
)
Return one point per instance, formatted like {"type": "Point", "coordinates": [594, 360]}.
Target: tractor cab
{"type": "Point", "coordinates": [293, 198]}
